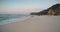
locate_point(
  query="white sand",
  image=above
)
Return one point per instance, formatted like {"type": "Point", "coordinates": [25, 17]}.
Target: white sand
{"type": "Point", "coordinates": [34, 24]}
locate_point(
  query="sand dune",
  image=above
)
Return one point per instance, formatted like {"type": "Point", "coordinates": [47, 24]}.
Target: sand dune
{"type": "Point", "coordinates": [34, 24]}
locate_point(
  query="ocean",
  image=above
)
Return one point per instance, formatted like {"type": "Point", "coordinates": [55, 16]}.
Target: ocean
{"type": "Point", "coordinates": [6, 17]}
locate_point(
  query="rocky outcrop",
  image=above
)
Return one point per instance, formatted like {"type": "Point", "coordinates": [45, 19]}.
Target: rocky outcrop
{"type": "Point", "coordinates": [53, 10]}
{"type": "Point", "coordinates": [35, 13]}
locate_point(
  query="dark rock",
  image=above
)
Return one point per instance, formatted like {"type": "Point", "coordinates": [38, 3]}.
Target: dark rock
{"type": "Point", "coordinates": [53, 10]}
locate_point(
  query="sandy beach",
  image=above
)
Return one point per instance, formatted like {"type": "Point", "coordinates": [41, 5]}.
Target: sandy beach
{"type": "Point", "coordinates": [34, 24]}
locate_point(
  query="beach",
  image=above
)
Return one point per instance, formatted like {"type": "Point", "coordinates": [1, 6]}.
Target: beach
{"type": "Point", "coordinates": [34, 24]}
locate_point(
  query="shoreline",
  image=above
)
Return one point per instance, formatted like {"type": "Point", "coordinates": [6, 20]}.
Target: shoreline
{"type": "Point", "coordinates": [14, 20]}
{"type": "Point", "coordinates": [24, 18]}
{"type": "Point", "coordinates": [34, 24]}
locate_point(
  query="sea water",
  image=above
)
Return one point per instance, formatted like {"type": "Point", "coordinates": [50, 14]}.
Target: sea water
{"type": "Point", "coordinates": [4, 18]}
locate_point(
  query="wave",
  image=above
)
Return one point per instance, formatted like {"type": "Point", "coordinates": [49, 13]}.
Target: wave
{"type": "Point", "coordinates": [6, 17]}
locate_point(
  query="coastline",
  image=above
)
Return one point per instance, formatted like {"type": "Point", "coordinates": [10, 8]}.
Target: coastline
{"type": "Point", "coordinates": [14, 20]}
{"type": "Point", "coordinates": [34, 24]}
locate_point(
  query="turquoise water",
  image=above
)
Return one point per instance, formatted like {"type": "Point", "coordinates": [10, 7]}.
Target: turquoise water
{"type": "Point", "coordinates": [4, 17]}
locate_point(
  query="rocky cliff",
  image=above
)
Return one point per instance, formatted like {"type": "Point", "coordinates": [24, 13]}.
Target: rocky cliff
{"type": "Point", "coordinates": [53, 10]}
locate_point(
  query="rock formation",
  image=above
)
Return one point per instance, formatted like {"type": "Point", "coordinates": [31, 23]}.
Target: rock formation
{"type": "Point", "coordinates": [53, 10]}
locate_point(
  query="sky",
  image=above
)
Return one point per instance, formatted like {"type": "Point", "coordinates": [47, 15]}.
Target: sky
{"type": "Point", "coordinates": [25, 6]}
